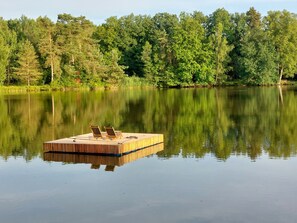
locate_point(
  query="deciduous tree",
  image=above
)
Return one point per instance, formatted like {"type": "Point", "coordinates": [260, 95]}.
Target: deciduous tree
{"type": "Point", "coordinates": [257, 54]}
{"type": "Point", "coordinates": [7, 45]}
{"type": "Point", "coordinates": [221, 54]}
{"type": "Point", "coordinates": [282, 28]}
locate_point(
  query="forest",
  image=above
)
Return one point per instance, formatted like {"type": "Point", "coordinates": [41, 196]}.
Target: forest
{"type": "Point", "coordinates": [164, 50]}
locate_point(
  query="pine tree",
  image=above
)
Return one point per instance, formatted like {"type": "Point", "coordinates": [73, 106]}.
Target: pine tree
{"type": "Point", "coordinates": [81, 58]}
{"type": "Point", "coordinates": [114, 72]}
{"type": "Point", "coordinates": [146, 58]}
{"type": "Point", "coordinates": [28, 69]}
{"type": "Point", "coordinates": [48, 47]}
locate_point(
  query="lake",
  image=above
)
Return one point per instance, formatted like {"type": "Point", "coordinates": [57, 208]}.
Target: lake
{"type": "Point", "coordinates": [229, 156]}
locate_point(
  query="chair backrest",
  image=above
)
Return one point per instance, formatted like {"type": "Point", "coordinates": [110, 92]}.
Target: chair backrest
{"type": "Point", "coordinates": [110, 132]}
{"type": "Point", "coordinates": [109, 168]}
{"type": "Point", "coordinates": [96, 131]}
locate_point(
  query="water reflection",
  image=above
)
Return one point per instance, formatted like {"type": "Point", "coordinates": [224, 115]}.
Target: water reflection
{"type": "Point", "coordinates": [195, 122]}
{"type": "Point", "coordinates": [96, 161]}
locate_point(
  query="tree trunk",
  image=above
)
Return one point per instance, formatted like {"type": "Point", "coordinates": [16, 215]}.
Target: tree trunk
{"type": "Point", "coordinates": [217, 68]}
{"type": "Point", "coordinates": [52, 59]}
{"type": "Point", "coordinates": [52, 70]}
{"type": "Point", "coordinates": [53, 117]}
{"type": "Point", "coordinates": [281, 94]}
{"type": "Point", "coordinates": [29, 107]}
{"type": "Point", "coordinates": [281, 75]}
{"type": "Point", "coordinates": [28, 78]}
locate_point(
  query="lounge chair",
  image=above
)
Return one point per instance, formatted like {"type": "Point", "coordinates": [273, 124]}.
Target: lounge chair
{"type": "Point", "coordinates": [111, 133]}
{"type": "Point", "coordinates": [97, 133]}
{"type": "Point", "coordinates": [109, 168]}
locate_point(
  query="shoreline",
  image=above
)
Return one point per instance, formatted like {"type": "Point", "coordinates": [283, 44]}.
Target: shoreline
{"type": "Point", "coordinates": [48, 88]}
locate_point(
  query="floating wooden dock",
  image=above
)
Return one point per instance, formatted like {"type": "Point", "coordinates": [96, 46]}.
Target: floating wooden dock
{"type": "Point", "coordinates": [88, 144]}
{"type": "Point", "coordinates": [97, 160]}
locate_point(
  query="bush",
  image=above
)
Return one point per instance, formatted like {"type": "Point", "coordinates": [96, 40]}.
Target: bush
{"type": "Point", "coordinates": [134, 82]}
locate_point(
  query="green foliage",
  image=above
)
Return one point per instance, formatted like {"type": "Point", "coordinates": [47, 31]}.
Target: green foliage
{"type": "Point", "coordinates": [135, 82]}
{"type": "Point", "coordinates": [190, 52]}
{"type": "Point", "coordinates": [238, 33]}
{"type": "Point", "coordinates": [4, 58]}
{"type": "Point", "coordinates": [48, 47]}
{"type": "Point", "coordinates": [223, 17]}
{"type": "Point", "coordinates": [258, 59]}
{"type": "Point", "coordinates": [165, 49]}
{"type": "Point", "coordinates": [114, 73]}
{"type": "Point", "coordinates": [28, 69]}
{"type": "Point", "coordinates": [7, 45]}
{"type": "Point", "coordinates": [146, 59]}
{"type": "Point", "coordinates": [282, 29]}
{"type": "Point", "coordinates": [221, 54]}
{"type": "Point", "coordinates": [219, 32]}
{"type": "Point", "coordinates": [163, 54]}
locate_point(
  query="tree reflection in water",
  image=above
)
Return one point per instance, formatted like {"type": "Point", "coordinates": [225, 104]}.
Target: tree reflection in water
{"type": "Point", "coordinates": [195, 122]}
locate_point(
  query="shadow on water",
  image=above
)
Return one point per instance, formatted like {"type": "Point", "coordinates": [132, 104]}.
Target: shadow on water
{"type": "Point", "coordinates": [222, 121]}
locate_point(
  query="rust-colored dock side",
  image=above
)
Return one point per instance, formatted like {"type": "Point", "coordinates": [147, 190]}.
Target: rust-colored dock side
{"type": "Point", "coordinates": [88, 144]}
{"type": "Point", "coordinates": [97, 160]}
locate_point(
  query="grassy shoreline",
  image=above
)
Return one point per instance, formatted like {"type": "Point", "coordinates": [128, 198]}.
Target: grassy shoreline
{"type": "Point", "coordinates": [43, 88]}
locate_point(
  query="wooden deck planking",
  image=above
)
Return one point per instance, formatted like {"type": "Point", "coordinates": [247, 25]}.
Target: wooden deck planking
{"type": "Point", "coordinates": [88, 144]}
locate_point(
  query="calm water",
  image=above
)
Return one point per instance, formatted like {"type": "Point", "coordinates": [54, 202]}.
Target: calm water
{"type": "Point", "coordinates": [229, 156]}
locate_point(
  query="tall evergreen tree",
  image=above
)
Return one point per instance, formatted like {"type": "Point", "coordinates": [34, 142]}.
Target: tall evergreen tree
{"type": "Point", "coordinates": [146, 58]}
{"type": "Point", "coordinates": [28, 69]}
{"type": "Point", "coordinates": [81, 58]}
{"type": "Point", "coordinates": [114, 73]}
{"type": "Point", "coordinates": [48, 48]}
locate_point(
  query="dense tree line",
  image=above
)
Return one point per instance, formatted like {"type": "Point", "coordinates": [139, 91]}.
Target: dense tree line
{"type": "Point", "coordinates": [164, 49]}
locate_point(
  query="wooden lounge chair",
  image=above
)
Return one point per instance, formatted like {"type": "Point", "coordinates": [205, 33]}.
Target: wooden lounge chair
{"type": "Point", "coordinates": [97, 133]}
{"type": "Point", "coordinates": [109, 168]}
{"type": "Point", "coordinates": [111, 133]}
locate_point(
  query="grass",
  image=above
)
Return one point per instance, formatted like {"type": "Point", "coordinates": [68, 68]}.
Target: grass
{"type": "Point", "coordinates": [20, 89]}
{"type": "Point", "coordinates": [24, 88]}
{"type": "Point", "coordinates": [128, 82]}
